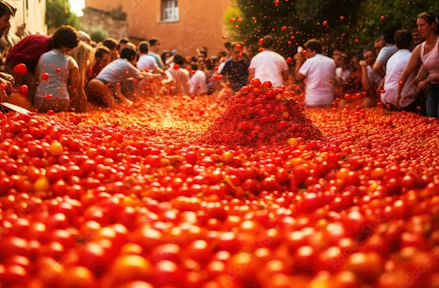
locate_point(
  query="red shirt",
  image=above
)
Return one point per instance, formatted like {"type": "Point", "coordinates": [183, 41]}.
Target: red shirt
{"type": "Point", "coordinates": [28, 51]}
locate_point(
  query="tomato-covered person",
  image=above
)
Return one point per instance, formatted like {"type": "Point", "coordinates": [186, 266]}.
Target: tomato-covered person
{"type": "Point", "coordinates": [428, 53]}
{"type": "Point", "coordinates": [6, 12]}
{"type": "Point", "coordinates": [112, 45]}
{"type": "Point", "coordinates": [102, 59]}
{"type": "Point", "coordinates": [235, 69]}
{"type": "Point", "coordinates": [387, 51]}
{"type": "Point", "coordinates": [56, 91]}
{"type": "Point", "coordinates": [269, 65]}
{"type": "Point", "coordinates": [369, 79]}
{"type": "Point", "coordinates": [406, 100]}
{"type": "Point", "coordinates": [104, 90]}
{"type": "Point", "coordinates": [318, 73]}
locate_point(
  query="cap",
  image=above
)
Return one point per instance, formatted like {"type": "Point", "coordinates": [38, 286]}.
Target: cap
{"type": "Point", "coordinates": [9, 7]}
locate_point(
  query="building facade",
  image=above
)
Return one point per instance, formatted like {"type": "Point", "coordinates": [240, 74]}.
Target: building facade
{"type": "Point", "coordinates": [183, 25]}
{"type": "Point", "coordinates": [29, 12]}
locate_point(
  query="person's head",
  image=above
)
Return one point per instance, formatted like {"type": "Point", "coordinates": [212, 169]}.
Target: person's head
{"type": "Point", "coordinates": [122, 44]}
{"type": "Point", "coordinates": [129, 54]}
{"type": "Point", "coordinates": [313, 47]}
{"type": "Point", "coordinates": [236, 50]}
{"type": "Point", "coordinates": [369, 55]}
{"type": "Point", "coordinates": [165, 55]}
{"type": "Point", "coordinates": [102, 56]}
{"type": "Point", "coordinates": [428, 24]}
{"type": "Point", "coordinates": [6, 12]}
{"type": "Point", "coordinates": [201, 63]}
{"type": "Point", "coordinates": [154, 45]}
{"type": "Point", "coordinates": [84, 37]}
{"type": "Point", "coordinates": [354, 61]}
{"type": "Point", "coordinates": [403, 39]}
{"type": "Point", "coordinates": [267, 42]}
{"type": "Point", "coordinates": [379, 44]}
{"type": "Point", "coordinates": [65, 39]}
{"type": "Point", "coordinates": [228, 46]}
{"type": "Point", "coordinates": [143, 47]}
{"type": "Point", "coordinates": [389, 33]}
{"type": "Point", "coordinates": [195, 67]}
{"type": "Point", "coordinates": [417, 38]}
{"type": "Point", "coordinates": [179, 60]}
{"type": "Point", "coordinates": [210, 65]}
{"type": "Point", "coordinates": [111, 44]}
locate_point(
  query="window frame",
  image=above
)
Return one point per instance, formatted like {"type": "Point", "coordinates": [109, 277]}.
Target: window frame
{"type": "Point", "coordinates": [173, 10]}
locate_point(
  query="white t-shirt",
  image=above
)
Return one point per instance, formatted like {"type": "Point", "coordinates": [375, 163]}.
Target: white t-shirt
{"type": "Point", "coordinates": [373, 76]}
{"type": "Point", "coordinates": [181, 79]}
{"type": "Point", "coordinates": [198, 83]}
{"type": "Point", "coordinates": [269, 66]}
{"type": "Point", "coordinates": [395, 67]}
{"type": "Point", "coordinates": [342, 74]}
{"type": "Point", "coordinates": [147, 62]}
{"type": "Point", "coordinates": [118, 70]}
{"type": "Point", "coordinates": [320, 74]}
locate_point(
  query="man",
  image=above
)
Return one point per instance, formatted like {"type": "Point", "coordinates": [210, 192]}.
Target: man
{"type": "Point", "coordinates": [178, 77]}
{"type": "Point", "coordinates": [154, 51]}
{"type": "Point", "coordinates": [111, 44]}
{"type": "Point", "coordinates": [386, 52]}
{"type": "Point", "coordinates": [417, 38]}
{"type": "Point", "coordinates": [147, 62]}
{"type": "Point", "coordinates": [235, 69]}
{"type": "Point", "coordinates": [379, 44]}
{"type": "Point", "coordinates": [369, 79]}
{"type": "Point", "coordinates": [269, 65]}
{"type": "Point", "coordinates": [198, 82]}
{"type": "Point", "coordinates": [122, 44]}
{"type": "Point", "coordinates": [102, 58]}
{"type": "Point", "coordinates": [6, 11]}
{"type": "Point", "coordinates": [318, 73]}
{"type": "Point", "coordinates": [395, 67]}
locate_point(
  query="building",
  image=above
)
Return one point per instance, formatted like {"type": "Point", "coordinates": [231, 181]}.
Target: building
{"type": "Point", "coordinates": [29, 12]}
{"type": "Point", "coordinates": [184, 25]}
{"type": "Point", "coordinates": [95, 19]}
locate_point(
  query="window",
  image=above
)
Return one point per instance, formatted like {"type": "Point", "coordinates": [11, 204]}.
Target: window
{"type": "Point", "coordinates": [169, 10]}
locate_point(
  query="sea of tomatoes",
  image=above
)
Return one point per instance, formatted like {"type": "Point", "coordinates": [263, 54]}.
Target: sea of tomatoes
{"type": "Point", "coordinates": [128, 198]}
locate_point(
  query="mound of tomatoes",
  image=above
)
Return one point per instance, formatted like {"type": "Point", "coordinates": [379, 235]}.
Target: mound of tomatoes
{"type": "Point", "coordinates": [127, 198]}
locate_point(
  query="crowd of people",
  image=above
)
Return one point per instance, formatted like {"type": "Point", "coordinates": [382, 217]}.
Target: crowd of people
{"type": "Point", "coordinates": [67, 71]}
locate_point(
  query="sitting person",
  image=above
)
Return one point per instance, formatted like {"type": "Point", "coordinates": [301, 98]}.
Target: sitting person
{"type": "Point", "coordinates": [112, 45]}
{"type": "Point", "coordinates": [102, 58]}
{"type": "Point", "coordinates": [147, 62]}
{"type": "Point", "coordinates": [105, 88]}
{"type": "Point", "coordinates": [56, 92]}
{"type": "Point", "coordinates": [178, 78]}
{"type": "Point", "coordinates": [198, 82]}
{"type": "Point", "coordinates": [369, 79]}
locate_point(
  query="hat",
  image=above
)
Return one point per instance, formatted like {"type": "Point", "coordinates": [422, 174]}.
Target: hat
{"type": "Point", "coordinates": [8, 7]}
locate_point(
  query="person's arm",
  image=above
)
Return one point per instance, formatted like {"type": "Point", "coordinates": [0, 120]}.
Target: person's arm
{"type": "Point", "coordinates": [409, 68]}
{"type": "Point", "coordinates": [378, 67]}
{"type": "Point", "coordinates": [365, 80]}
{"type": "Point", "coordinates": [301, 68]}
{"type": "Point", "coordinates": [251, 74]}
{"type": "Point", "coordinates": [73, 83]}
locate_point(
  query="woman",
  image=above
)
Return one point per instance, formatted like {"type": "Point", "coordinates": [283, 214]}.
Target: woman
{"type": "Point", "coordinates": [58, 73]}
{"type": "Point", "coordinates": [428, 53]}
{"type": "Point", "coordinates": [83, 54]}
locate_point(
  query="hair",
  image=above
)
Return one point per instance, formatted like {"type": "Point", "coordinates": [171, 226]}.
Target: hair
{"type": "Point", "coordinates": [369, 49]}
{"type": "Point", "coordinates": [6, 8]}
{"type": "Point", "coordinates": [153, 41]}
{"type": "Point", "coordinates": [222, 53]}
{"type": "Point", "coordinates": [194, 67]}
{"type": "Point", "coordinates": [314, 45]}
{"type": "Point", "coordinates": [93, 44]}
{"type": "Point", "coordinates": [66, 36]}
{"type": "Point", "coordinates": [267, 42]}
{"type": "Point", "coordinates": [380, 39]}
{"type": "Point", "coordinates": [403, 39]}
{"type": "Point", "coordinates": [209, 64]}
{"type": "Point", "coordinates": [128, 53]}
{"type": "Point", "coordinates": [389, 33]}
{"type": "Point", "coordinates": [430, 18]}
{"type": "Point", "coordinates": [100, 51]}
{"type": "Point", "coordinates": [179, 60]}
{"type": "Point", "coordinates": [228, 45]}
{"type": "Point", "coordinates": [124, 41]}
{"type": "Point", "coordinates": [110, 43]}
{"type": "Point", "coordinates": [144, 47]}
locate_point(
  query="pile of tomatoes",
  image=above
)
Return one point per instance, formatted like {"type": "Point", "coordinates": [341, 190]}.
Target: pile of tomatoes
{"type": "Point", "coordinates": [129, 198]}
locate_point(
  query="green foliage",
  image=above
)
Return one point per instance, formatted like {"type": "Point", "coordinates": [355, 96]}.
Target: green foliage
{"type": "Point", "coordinates": [304, 19]}
{"type": "Point", "coordinates": [118, 14]}
{"type": "Point", "coordinates": [98, 34]}
{"type": "Point", "coordinates": [59, 13]}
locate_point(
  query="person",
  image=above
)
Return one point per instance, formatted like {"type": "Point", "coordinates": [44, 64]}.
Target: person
{"type": "Point", "coordinates": [235, 70]}
{"type": "Point", "coordinates": [111, 44]}
{"type": "Point", "coordinates": [386, 52]}
{"type": "Point", "coordinates": [145, 61]}
{"type": "Point", "coordinates": [56, 92]}
{"type": "Point", "coordinates": [379, 44]}
{"type": "Point", "coordinates": [84, 37]}
{"type": "Point", "coordinates": [318, 73]}
{"type": "Point", "coordinates": [122, 44]}
{"type": "Point", "coordinates": [154, 50]}
{"type": "Point", "coordinates": [428, 53]}
{"type": "Point", "coordinates": [269, 65]}
{"type": "Point", "coordinates": [166, 54]}
{"type": "Point", "coordinates": [369, 79]}
{"type": "Point", "coordinates": [417, 38]}
{"type": "Point", "coordinates": [105, 88]}
{"type": "Point", "coordinates": [213, 83]}
{"type": "Point", "coordinates": [178, 77]}
{"type": "Point", "coordinates": [6, 12]}
{"type": "Point", "coordinates": [395, 67]}
{"type": "Point", "coordinates": [102, 58]}
{"type": "Point", "coordinates": [198, 81]}
{"type": "Point", "coordinates": [84, 57]}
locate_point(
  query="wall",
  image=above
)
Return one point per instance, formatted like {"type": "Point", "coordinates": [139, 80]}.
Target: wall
{"type": "Point", "coordinates": [200, 23]}
{"type": "Point", "coordinates": [94, 18]}
{"type": "Point", "coordinates": [34, 15]}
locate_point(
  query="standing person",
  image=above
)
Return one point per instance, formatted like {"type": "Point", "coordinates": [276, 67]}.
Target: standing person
{"type": "Point", "coordinates": [428, 53]}
{"type": "Point", "coordinates": [405, 100]}
{"type": "Point", "coordinates": [269, 65]}
{"type": "Point", "coordinates": [178, 77]}
{"type": "Point", "coordinates": [6, 12]}
{"type": "Point", "coordinates": [145, 61]}
{"type": "Point", "coordinates": [154, 50]}
{"type": "Point", "coordinates": [84, 56]}
{"type": "Point", "coordinates": [198, 81]}
{"type": "Point", "coordinates": [235, 69]}
{"type": "Point", "coordinates": [56, 92]}
{"type": "Point", "coordinates": [318, 73]}
{"type": "Point", "coordinates": [111, 44]}
{"type": "Point", "coordinates": [369, 79]}
{"type": "Point", "coordinates": [102, 59]}
{"type": "Point", "coordinates": [386, 52]}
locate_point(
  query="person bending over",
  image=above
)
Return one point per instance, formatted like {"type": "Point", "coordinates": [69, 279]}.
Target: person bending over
{"type": "Point", "coordinates": [104, 90]}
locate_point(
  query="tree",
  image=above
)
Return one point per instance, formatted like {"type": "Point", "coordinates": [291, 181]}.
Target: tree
{"type": "Point", "coordinates": [98, 34]}
{"type": "Point", "coordinates": [58, 13]}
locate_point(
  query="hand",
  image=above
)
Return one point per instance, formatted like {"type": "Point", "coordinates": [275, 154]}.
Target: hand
{"type": "Point", "coordinates": [7, 83]}
{"type": "Point", "coordinates": [397, 97]}
{"type": "Point", "coordinates": [363, 64]}
{"type": "Point", "coordinates": [298, 57]}
{"type": "Point", "coordinates": [7, 77]}
{"type": "Point", "coordinates": [423, 84]}
{"type": "Point", "coordinates": [3, 96]}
